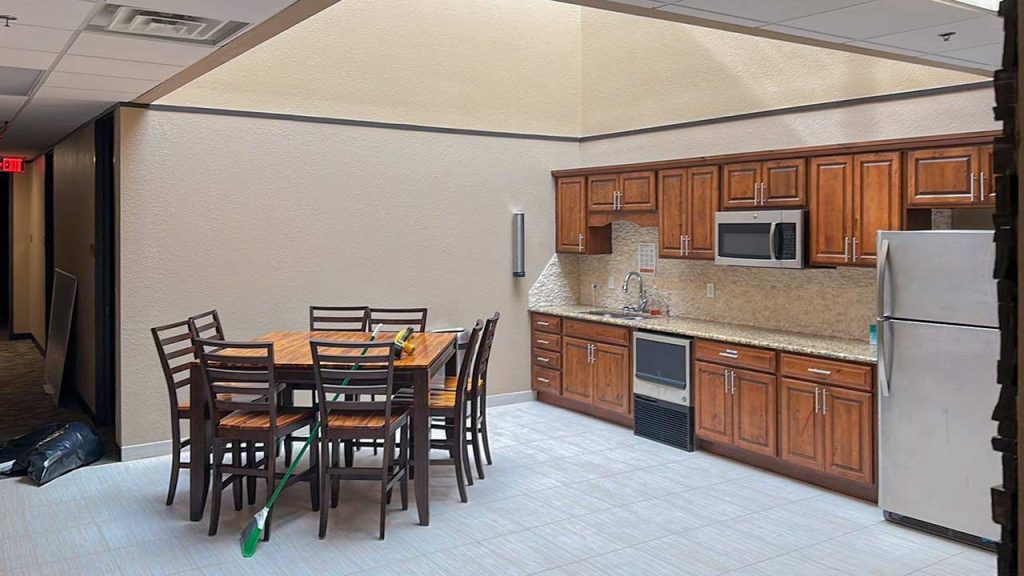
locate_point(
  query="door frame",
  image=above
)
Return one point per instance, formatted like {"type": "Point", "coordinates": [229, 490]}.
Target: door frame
{"type": "Point", "coordinates": [105, 270]}
{"type": "Point", "coordinates": [7, 262]}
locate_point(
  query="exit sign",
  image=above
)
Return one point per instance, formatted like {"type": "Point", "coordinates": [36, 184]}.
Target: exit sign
{"type": "Point", "coordinates": [12, 164]}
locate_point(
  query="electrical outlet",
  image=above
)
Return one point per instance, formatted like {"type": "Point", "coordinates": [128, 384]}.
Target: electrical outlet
{"type": "Point", "coordinates": [594, 286]}
{"type": "Point", "coordinates": [611, 282]}
{"type": "Point", "coordinates": [711, 290]}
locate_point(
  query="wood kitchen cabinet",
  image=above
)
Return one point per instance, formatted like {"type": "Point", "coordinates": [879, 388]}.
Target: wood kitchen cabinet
{"type": "Point", "coordinates": [628, 191]}
{"type": "Point", "coordinates": [713, 402]}
{"type": "Point", "coordinates": [849, 433]}
{"type": "Point", "coordinates": [987, 180]}
{"type": "Point", "coordinates": [577, 370]}
{"type": "Point", "coordinates": [735, 407]}
{"type": "Point", "coordinates": [950, 177]}
{"type": "Point", "coordinates": [801, 431]}
{"type": "Point", "coordinates": [596, 373]}
{"type": "Point", "coordinates": [572, 234]}
{"type": "Point", "coordinates": [687, 201]}
{"type": "Point", "coordinates": [768, 184]}
{"type": "Point", "coordinates": [852, 198]}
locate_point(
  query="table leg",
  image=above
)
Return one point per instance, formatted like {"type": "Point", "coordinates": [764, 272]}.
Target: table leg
{"type": "Point", "coordinates": [421, 433]}
{"type": "Point", "coordinates": [199, 471]}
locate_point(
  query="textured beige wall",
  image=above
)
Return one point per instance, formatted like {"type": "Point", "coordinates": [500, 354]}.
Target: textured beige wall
{"type": "Point", "coordinates": [337, 215]}
{"type": "Point", "coordinates": [21, 190]}
{"type": "Point", "coordinates": [37, 252]}
{"type": "Point", "coordinates": [74, 236]}
{"type": "Point", "coordinates": [484, 64]}
{"type": "Point", "coordinates": [641, 72]}
{"type": "Point", "coordinates": [29, 253]}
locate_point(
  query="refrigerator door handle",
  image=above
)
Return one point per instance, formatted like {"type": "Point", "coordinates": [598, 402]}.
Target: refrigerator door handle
{"type": "Point", "coordinates": [883, 268]}
{"type": "Point", "coordinates": [883, 360]}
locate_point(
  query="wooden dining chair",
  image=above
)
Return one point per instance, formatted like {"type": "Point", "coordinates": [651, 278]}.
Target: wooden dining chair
{"type": "Point", "coordinates": [394, 319]}
{"type": "Point", "coordinates": [247, 369]}
{"type": "Point", "coordinates": [355, 394]}
{"type": "Point", "coordinates": [206, 326]}
{"type": "Point", "coordinates": [174, 346]}
{"type": "Point", "coordinates": [338, 318]}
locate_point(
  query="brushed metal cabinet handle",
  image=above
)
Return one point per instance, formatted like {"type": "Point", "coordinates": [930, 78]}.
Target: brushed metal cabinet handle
{"type": "Point", "coordinates": [542, 323]}
{"type": "Point", "coordinates": [543, 359]}
{"type": "Point", "coordinates": [544, 380]}
{"type": "Point", "coordinates": [581, 242]}
{"type": "Point", "coordinates": [846, 248]}
{"type": "Point", "coordinates": [824, 401]}
{"type": "Point", "coordinates": [982, 182]}
{"type": "Point", "coordinates": [543, 342]}
{"type": "Point", "coordinates": [854, 248]}
{"type": "Point", "coordinates": [820, 371]}
{"type": "Point", "coordinates": [972, 185]}
{"type": "Point", "coordinates": [817, 396]}
{"type": "Point", "coordinates": [729, 354]}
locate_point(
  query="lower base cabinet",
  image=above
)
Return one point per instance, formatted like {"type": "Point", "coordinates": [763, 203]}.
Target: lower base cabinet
{"type": "Point", "coordinates": [596, 373]}
{"type": "Point", "coordinates": [736, 407]}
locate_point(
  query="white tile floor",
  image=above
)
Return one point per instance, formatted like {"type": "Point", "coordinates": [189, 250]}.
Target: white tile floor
{"type": "Point", "coordinates": [567, 496]}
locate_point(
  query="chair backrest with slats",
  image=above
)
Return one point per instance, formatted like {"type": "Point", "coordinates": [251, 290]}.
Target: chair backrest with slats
{"type": "Point", "coordinates": [239, 376]}
{"type": "Point", "coordinates": [206, 325]}
{"type": "Point", "coordinates": [467, 365]}
{"type": "Point", "coordinates": [174, 346]}
{"type": "Point", "coordinates": [350, 376]}
{"type": "Point", "coordinates": [483, 354]}
{"type": "Point", "coordinates": [394, 319]}
{"type": "Point", "coordinates": [338, 318]}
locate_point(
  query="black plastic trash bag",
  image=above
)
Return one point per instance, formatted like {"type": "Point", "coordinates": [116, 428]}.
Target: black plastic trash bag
{"type": "Point", "coordinates": [69, 447]}
{"type": "Point", "coordinates": [13, 449]}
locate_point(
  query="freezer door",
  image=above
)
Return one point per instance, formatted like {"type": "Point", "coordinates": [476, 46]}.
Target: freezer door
{"type": "Point", "coordinates": [935, 458]}
{"type": "Point", "coordinates": [937, 276]}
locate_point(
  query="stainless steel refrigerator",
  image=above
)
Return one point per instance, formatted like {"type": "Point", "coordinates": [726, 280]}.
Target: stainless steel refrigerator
{"type": "Point", "coordinates": [938, 343]}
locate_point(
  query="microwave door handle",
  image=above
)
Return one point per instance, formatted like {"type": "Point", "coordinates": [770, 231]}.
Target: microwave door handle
{"type": "Point", "coordinates": [771, 241]}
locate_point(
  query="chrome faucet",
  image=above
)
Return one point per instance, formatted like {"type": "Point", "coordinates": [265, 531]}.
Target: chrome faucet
{"type": "Point", "coordinates": [642, 302]}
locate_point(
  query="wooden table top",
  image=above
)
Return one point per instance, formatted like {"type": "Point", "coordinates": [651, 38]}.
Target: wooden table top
{"type": "Point", "coordinates": [291, 349]}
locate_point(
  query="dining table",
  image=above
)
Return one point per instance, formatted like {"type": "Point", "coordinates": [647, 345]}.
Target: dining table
{"type": "Point", "coordinates": [293, 364]}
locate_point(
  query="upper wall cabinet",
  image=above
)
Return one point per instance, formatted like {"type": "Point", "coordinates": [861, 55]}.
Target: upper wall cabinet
{"type": "Point", "coordinates": [950, 177]}
{"type": "Point", "coordinates": [629, 191]}
{"type": "Point", "coordinates": [769, 184]}
{"type": "Point", "coordinates": [687, 201]}
{"type": "Point", "coordinates": [572, 235]}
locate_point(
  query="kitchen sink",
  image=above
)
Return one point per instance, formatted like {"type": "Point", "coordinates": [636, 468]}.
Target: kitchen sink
{"type": "Point", "coordinates": [617, 315]}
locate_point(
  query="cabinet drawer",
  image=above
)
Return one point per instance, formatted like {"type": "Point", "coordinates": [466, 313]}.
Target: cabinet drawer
{"type": "Point", "coordinates": [550, 342]}
{"type": "Point", "coordinates": [596, 331]}
{"type": "Point", "coordinates": [547, 359]}
{"type": "Point", "coordinates": [734, 355]}
{"type": "Point", "coordinates": [546, 380]}
{"type": "Point", "coordinates": [857, 376]}
{"type": "Point", "coordinates": [545, 323]}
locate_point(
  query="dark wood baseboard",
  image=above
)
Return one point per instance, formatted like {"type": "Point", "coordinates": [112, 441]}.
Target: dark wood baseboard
{"type": "Point", "coordinates": [589, 409]}
{"type": "Point", "coordinates": [848, 487]}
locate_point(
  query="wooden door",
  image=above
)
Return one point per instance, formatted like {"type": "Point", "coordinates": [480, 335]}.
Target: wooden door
{"type": "Point", "coordinates": [611, 377]}
{"type": "Point", "coordinates": [848, 421]}
{"type": "Point", "coordinates": [576, 369]}
{"type": "Point", "coordinates": [638, 191]}
{"type": "Point", "coordinates": [986, 179]}
{"type": "Point", "coordinates": [713, 403]}
{"type": "Point", "coordinates": [831, 194]}
{"type": "Point", "coordinates": [784, 183]}
{"type": "Point", "coordinates": [801, 429]}
{"type": "Point", "coordinates": [570, 215]}
{"type": "Point", "coordinates": [942, 177]}
{"type": "Point", "coordinates": [701, 205]}
{"type": "Point", "coordinates": [672, 215]}
{"type": "Point", "coordinates": [740, 182]}
{"type": "Point", "coordinates": [601, 192]}
{"type": "Point", "coordinates": [876, 203]}
{"type": "Point", "coordinates": [754, 411]}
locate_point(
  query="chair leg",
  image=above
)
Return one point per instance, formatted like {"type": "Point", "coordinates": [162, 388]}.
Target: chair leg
{"type": "Point", "coordinates": [349, 454]}
{"type": "Point", "coordinates": [474, 433]}
{"type": "Point", "coordinates": [483, 429]}
{"type": "Point", "coordinates": [271, 484]}
{"type": "Point", "coordinates": [460, 447]}
{"type": "Point", "coordinates": [215, 481]}
{"type": "Point", "coordinates": [288, 399]}
{"type": "Point", "coordinates": [236, 485]}
{"type": "Point", "coordinates": [385, 474]}
{"type": "Point", "coordinates": [175, 467]}
{"type": "Point", "coordinates": [325, 484]}
{"type": "Point", "coordinates": [250, 456]}
{"type": "Point", "coordinates": [314, 469]}
{"type": "Point", "coordinates": [403, 458]}
{"type": "Point", "coordinates": [335, 482]}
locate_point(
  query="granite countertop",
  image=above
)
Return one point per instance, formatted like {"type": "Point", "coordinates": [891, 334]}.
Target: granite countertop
{"type": "Point", "coordinates": [824, 346]}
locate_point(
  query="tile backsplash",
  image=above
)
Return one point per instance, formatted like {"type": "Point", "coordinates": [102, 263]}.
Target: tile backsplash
{"type": "Point", "coordinates": [837, 302]}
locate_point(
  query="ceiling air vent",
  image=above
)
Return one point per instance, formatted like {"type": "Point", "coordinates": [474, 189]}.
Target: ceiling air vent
{"type": "Point", "coordinates": [131, 21]}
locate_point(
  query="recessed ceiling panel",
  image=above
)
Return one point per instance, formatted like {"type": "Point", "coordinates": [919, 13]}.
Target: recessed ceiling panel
{"type": "Point", "coordinates": [966, 34]}
{"type": "Point", "coordinates": [883, 17]}
{"type": "Point", "coordinates": [17, 81]}
{"type": "Point", "coordinates": [770, 10]}
{"type": "Point", "coordinates": [93, 82]}
{"type": "Point", "coordinates": [9, 105]}
{"type": "Point", "coordinates": [989, 55]}
{"type": "Point", "coordinates": [241, 10]}
{"type": "Point", "coordinates": [689, 11]}
{"type": "Point", "coordinates": [78, 94]}
{"type": "Point", "coordinates": [118, 68]}
{"type": "Point", "coordinates": [33, 38]}
{"type": "Point", "coordinates": [64, 14]}
{"type": "Point", "coordinates": [122, 48]}
{"type": "Point", "coordinates": [27, 58]}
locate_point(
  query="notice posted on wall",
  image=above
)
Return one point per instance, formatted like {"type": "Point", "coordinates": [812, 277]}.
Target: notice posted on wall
{"type": "Point", "coordinates": [647, 258]}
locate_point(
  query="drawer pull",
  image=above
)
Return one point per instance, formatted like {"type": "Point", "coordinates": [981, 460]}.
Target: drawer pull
{"type": "Point", "coordinates": [543, 342]}
{"type": "Point", "coordinates": [544, 380]}
{"type": "Point", "coordinates": [539, 323]}
{"type": "Point", "coordinates": [729, 354]}
{"type": "Point", "coordinates": [543, 359]}
{"type": "Point", "coordinates": [820, 371]}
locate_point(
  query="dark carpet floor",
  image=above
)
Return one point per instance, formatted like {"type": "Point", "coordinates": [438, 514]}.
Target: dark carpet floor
{"type": "Point", "coordinates": [23, 404]}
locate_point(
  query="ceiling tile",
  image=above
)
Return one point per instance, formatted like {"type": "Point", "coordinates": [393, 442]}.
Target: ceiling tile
{"type": "Point", "coordinates": [93, 82]}
{"type": "Point", "coordinates": [769, 10]}
{"type": "Point", "coordinates": [33, 38]}
{"type": "Point", "coordinates": [78, 94]}
{"type": "Point", "coordinates": [687, 11]}
{"type": "Point", "coordinates": [237, 10]}
{"type": "Point", "coordinates": [805, 33]}
{"type": "Point", "coordinates": [61, 110]}
{"type": "Point", "coordinates": [883, 17]}
{"type": "Point", "coordinates": [17, 81]}
{"type": "Point", "coordinates": [27, 58]}
{"type": "Point", "coordinates": [64, 14]}
{"type": "Point", "coordinates": [956, 61]}
{"type": "Point", "coordinates": [123, 48]}
{"type": "Point", "coordinates": [118, 68]}
{"type": "Point", "coordinates": [643, 3]}
{"type": "Point", "coordinates": [969, 33]}
{"type": "Point", "coordinates": [884, 48]}
{"type": "Point", "coordinates": [991, 55]}
{"type": "Point", "coordinates": [9, 105]}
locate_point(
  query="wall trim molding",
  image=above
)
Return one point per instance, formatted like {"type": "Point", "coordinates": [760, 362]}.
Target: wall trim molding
{"type": "Point", "coordinates": [832, 104]}
{"type": "Point", "coordinates": [510, 398]}
{"type": "Point", "coordinates": [142, 451]}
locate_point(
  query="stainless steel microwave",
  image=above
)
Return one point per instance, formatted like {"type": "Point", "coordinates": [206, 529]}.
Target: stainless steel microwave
{"type": "Point", "coordinates": [766, 238]}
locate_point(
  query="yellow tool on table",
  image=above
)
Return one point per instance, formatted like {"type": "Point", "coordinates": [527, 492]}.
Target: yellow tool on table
{"type": "Point", "coordinates": [402, 343]}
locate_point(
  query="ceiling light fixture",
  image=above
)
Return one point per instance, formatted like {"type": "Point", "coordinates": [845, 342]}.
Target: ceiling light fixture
{"type": "Point", "coordinates": [7, 18]}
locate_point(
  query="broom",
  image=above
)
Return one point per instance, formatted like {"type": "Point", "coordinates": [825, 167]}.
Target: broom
{"type": "Point", "coordinates": [253, 531]}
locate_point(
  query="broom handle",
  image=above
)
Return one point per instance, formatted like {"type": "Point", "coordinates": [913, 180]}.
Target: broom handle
{"type": "Point", "coordinates": [312, 434]}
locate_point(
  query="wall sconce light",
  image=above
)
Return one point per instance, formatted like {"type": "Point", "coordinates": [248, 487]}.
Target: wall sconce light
{"type": "Point", "coordinates": [518, 244]}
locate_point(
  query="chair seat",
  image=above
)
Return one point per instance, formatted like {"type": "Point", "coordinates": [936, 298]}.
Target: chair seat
{"type": "Point", "coordinates": [445, 399]}
{"type": "Point", "coordinates": [245, 420]}
{"type": "Point", "coordinates": [452, 382]}
{"type": "Point", "coordinates": [185, 404]}
{"type": "Point", "coordinates": [364, 418]}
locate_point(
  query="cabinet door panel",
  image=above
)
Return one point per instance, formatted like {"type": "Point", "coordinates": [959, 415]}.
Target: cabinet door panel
{"type": "Point", "coordinates": [986, 179]}
{"type": "Point", "coordinates": [713, 403]}
{"type": "Point", "coordinates": [702, 203]}
{"type": "Point", "coordinates": [785, 183]}
{"type": "Point", "coordinates": [671, 212]}
{"type": "Point", "coordinates": [801, 435]}
{"type": "Point", "coordinates": [876, 202]}
{"type": "Point", "coordinates": [611, 377]}
{"type": "Point", "coordinates": [848, 420]}
{"type": "Point", "coordinates": [638, 191]}
{"type": "Point", "coordinates": [942, 177]}
{"type": "Point", "coordinates": [570, 215]}
{"type": "Point", "coordinates": [754, 412]}
{"type": "Point", "coordinates": [576, 370]}
{"type": "Point", "coordinates": [739, 182]}
{"type": "Point", "coordinates": [601, 192]}
{"type": "Point", "coordinates": [831, 189]}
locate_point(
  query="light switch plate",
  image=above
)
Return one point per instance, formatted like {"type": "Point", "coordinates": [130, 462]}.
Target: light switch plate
{"type": "Point", "coordinates": [611, 282]}
{"type": "Point", "coordinates": [711, 290]}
